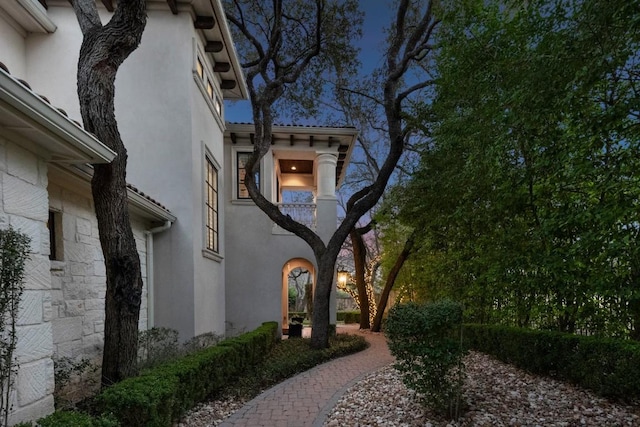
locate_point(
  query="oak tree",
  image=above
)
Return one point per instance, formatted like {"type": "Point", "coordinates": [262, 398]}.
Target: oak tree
{"type": "Point", "coordinates": [104, 48]}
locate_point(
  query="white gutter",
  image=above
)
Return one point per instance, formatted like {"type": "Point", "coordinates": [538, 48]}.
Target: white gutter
{"type": "Point", "coordinates": [29, 108]}
{"type": "Point", "coordinates": [150, 288]}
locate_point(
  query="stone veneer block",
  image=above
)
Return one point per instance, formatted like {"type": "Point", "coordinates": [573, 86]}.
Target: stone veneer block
{"type": "Point", "coordinates": [30, 309]}
{"type": "Point", "coordinates": [23, 164]}
{"type": "Point", "coordinates": [35, 381]}
{"type": "Point", "coordinates": [74, 291]}
{"type": "Point", "coordinates": [24, 199]}
{"type": "Point", "coordinates": [76, 204]}
{"type": "Point", "coordinates": [34, 343]}
{"type": "Point", "coordinates": [74, 308]}
{"type": "Point", "coordinates": [83, 226]}
{"type": "Point", "coordinates": [78, 252]}
{"type": "Point", "coordinates": [99, 269]}
{"type": "Point", "coordinates": [94, 304]}
{"type": "Point", "coordinates": [31, 228]}
{"type": "Point", "coordinates": [34, 411]}
{"type": "Point", "coordinates": [37, 273]}
{"type": "Point", "coordinates": [67, 329]}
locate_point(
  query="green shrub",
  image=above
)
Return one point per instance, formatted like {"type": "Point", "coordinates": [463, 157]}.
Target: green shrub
{"type": "Point", "coordinates": [164, 393]}
{"type": "Point", "coordinates": [425, 339]}
{"type": "Point", "coordinates": [607, 366]}
{"type": "Point", "coordinates": [76, 419]}
{"type": "Point", "coordinates": [348, 316]}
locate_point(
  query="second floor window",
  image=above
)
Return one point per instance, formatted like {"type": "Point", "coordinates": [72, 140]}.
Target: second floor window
{"type": "Point", "coordinates": [243, 158]}
{"type": "Point", "coordinates": [211, 188]}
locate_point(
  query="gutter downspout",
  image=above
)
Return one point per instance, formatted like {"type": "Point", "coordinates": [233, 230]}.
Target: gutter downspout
{"type": "Point", "coordinates": [150, 288]}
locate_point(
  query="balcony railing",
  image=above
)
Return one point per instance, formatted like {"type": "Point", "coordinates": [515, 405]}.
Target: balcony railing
{"type": "Point", "coordinates": [304, 213]}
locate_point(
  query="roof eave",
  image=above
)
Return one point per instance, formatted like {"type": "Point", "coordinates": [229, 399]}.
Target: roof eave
{"type": "Point", "coordinates": [20, 101]}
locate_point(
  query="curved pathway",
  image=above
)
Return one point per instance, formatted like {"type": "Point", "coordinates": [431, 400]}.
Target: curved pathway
{"type": "Point", "coordinates": [308, 398]}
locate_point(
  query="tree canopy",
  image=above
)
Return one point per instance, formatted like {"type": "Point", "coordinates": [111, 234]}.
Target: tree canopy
{"type": "Point", "coordinates": [528, 192]}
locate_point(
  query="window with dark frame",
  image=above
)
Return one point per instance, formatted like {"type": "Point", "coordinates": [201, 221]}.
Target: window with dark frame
{"type": "Point", "coordinates": [54, 224]}
{"type": "Point", "coordinates": [242, 158]}
{"type": "Point", "coordinates": [211, 186]}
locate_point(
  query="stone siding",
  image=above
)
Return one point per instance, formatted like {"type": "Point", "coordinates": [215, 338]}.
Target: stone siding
{"type": "Point", "coordinates": [23, 205]}
{"type": "Point", "coordinates": [78, 280]}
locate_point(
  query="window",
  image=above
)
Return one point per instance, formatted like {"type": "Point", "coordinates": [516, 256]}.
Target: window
{"type": "Point", "coordinates": [243, 193]}
{"type": "Point", "coordinates": [56, 249]}
{"type": "Point", "coordinates": [199, 68]}
{"type": "Point", "coordinates": [210, 89]}
{"type": "Point", "coordinates": [211, 188]}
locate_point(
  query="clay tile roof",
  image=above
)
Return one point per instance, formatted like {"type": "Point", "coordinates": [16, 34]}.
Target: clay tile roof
{"type": "Point", "coordinates": [149, 198]}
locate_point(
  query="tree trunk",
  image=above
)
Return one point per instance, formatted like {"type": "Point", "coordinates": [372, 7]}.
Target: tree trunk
{"type": "Point", "coordinates": [391, 279]}
{"type": "Point", "coordinates": [360, 259]}
{"type": "Point", "coordinates": [103, 50]}
{"type": "Point", "coordinates": [320, 330]}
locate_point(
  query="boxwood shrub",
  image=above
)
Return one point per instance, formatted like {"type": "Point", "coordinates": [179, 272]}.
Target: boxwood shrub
{"type": "Point", "coordinates": [163, 394]}
{"type": "Point", "coordinates": [348, 316]}
{"type": "Point", "coordinates": [609, 367]}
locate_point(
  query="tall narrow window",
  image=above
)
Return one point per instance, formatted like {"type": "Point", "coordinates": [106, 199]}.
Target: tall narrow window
{"type": "Point", "coordinates": [211, 186]}
{"type": "Point", "coordinates": [56, 249]}
{"type": "Point", "coordinates": [243, 193]}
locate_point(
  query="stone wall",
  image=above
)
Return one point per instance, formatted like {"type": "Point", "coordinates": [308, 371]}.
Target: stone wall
{"type": "Point", "coordinates": [23, 205]}
{"type": "Point", "coordinates": [78, 281]}
{"type": "Point", "coordinates": [62, 309]}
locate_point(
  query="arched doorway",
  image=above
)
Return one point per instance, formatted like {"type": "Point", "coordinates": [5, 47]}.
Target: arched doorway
{"type": "Point", "coordinates": [298, 282]}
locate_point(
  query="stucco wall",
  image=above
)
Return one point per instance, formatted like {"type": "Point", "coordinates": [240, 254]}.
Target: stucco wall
{"type": "Point", "coordinates": [23, 205]}
{"type": "Point", "coordinates": [164, 138]}
{"type": "Point", "coordinates": [12, 46]}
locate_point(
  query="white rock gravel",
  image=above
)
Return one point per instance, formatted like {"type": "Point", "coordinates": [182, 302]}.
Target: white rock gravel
{"type": "Point", "coordinates": [496, 394]}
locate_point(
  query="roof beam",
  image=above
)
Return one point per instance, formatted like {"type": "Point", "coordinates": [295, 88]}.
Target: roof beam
{"type": "Point", "coordinates": [234, 138]}
{"type": "Point", "coordinates": [173, 6]}
{"type": "Point", "coordinates": [213, 46]}
{"type": "Point", "coordinates": [291, 140]}
{"type": "Point", "coordinates": [44, 4]}
{"type": "Point", "coordinates": [227, 84]}
{"type": "Point", "coordinates": [204, 22]}
{"type": "Point", "coordinates": [310, 140]}
{"type": "Point", "coordinates": [221, 67]}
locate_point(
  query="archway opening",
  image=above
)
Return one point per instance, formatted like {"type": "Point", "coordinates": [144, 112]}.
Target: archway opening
{"type": "Point", "coordinates": [298, 280]}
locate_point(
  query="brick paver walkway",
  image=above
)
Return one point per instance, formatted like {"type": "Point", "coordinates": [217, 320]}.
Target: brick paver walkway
{"type": "Point", "coordinates": [307, 399]}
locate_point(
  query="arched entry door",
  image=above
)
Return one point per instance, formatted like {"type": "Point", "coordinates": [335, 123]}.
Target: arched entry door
{"type": "Point", "coordinates": [298, 282]}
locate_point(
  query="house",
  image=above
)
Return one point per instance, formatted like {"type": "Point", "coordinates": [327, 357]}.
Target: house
{"type": "Point", "coordinates": [211, 261]}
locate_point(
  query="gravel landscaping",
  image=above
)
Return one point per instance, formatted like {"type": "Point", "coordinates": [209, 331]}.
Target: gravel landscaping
{"type": "Point", "coordinates": [497, 394]}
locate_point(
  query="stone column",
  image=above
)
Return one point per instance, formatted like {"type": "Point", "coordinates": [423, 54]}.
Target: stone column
{"type": "Point", "coordinates": [327, 208]}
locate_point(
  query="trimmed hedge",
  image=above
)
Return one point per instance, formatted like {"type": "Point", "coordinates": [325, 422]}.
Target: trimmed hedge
{"type": "Point", "coordinates": [164, 393]}
{"type": "Point", "coordinates": [607, 366]}
{"type": "Point", "coordinates": [348, 316]}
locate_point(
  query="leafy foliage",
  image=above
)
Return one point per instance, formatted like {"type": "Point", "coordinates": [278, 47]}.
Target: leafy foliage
{"type": "Point", "coordinates": [426, 341]}
{"type": "Point", "coordinates": [607, 366]}
{"type": "Point", "coordinates": [528, 193]}
{"type": "Point", "coordinates": [14, 250]}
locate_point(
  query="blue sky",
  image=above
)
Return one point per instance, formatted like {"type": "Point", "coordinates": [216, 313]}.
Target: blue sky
{"type": "Point", "coordinates": [377, 16]}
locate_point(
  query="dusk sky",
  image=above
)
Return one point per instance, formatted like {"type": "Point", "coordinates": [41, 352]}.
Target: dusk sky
{"type": "Point", "coordinates": [377, 16]}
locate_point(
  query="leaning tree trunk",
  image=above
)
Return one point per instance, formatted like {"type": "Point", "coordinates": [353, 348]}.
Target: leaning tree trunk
{"type": "Point", "coordinates": [360, 259]}
{"type": "Point", "coordinates": [103, 50]}
{"type": "Point", "coordinates": [391, 279]}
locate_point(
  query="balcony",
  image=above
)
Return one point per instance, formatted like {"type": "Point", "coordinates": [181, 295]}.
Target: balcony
{"type": "Point", "coordinates": [304, 213]}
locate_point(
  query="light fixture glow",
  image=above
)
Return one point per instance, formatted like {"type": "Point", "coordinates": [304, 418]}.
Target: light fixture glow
{"type": "Point", "coordinates": [293, 168]}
